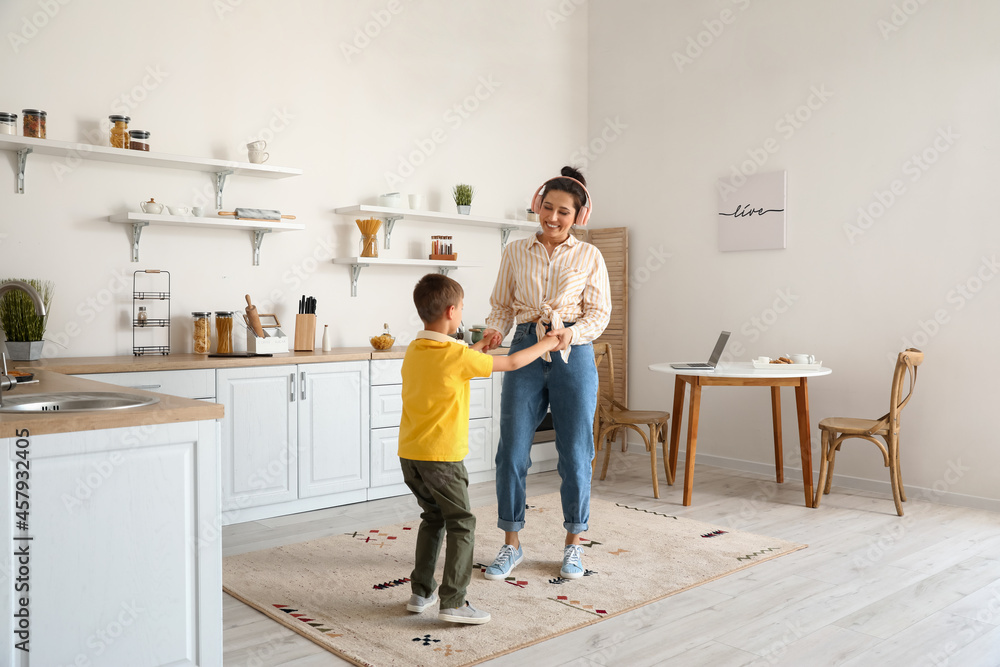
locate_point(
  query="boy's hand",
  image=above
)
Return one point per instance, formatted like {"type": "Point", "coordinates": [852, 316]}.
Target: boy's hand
{"type": "Point", "coordinates": [492, 338]}
{"type": "Point", "coordinates": [480, 346]}
{"type": "Point", "coordinates": [563, 338]}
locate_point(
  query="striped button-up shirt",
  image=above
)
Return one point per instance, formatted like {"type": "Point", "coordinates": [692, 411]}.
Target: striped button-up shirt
{"type": "Point", "coordinates": [571, 286]}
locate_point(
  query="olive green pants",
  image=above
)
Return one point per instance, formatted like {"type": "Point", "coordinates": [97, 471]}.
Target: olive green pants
{"type": "Point", "coordinates": [442, 491]}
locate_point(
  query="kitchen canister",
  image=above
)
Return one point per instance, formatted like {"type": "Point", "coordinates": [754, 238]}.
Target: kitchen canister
{"type": "Point", "coordinates": [202, 331]}
{"type": "Point", "coordinates": [33, 123]}
{"type": "Point", "coordinates": [119, 131]}
{"type": "Point", "coordinates": [224, 331]}
{"type": "Point", "coordinates": [138, 140]}
{"type": "Point", "coordinates": [8, 123]}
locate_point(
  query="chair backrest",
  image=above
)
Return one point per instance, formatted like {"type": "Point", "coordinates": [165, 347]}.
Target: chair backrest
{"type": "Point", "coordinates": [602, 353]}
{"type": "Point", "coordinates": [906, 367]}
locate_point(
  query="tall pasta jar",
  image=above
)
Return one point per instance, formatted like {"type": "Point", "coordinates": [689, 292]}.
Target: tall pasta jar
{"type": "Point", "coordinates": [119, 131]}
{"type": "Point", "coordinates": [8, 123]}
{"type": "Point", "coordinates": [224, 331]}
{"type": "Point", "coordinates": [202, 331]}
{"type": "Point", "coordinates": [33, 123]}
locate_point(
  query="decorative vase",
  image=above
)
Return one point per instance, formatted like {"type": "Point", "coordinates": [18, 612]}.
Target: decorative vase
{"type": "Point", "coordinates": [464, 210]}
{"type": "Point", "coordinates": [25, 351]}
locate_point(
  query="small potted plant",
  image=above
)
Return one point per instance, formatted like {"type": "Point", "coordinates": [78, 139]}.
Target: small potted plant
{"type": "Point", "coordinates": [463, 195]}
{"type": "Point", "coordinates": [22, 326]}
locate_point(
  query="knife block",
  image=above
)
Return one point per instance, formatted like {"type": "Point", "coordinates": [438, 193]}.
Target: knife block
{"type": "Point", "coordinates": [305, 332]}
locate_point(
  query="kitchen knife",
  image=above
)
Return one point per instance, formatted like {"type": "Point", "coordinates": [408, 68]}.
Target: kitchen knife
{"type": "Point", "coordinates": [254, 319]}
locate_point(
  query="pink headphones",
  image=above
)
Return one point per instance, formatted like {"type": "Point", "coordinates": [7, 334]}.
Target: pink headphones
{"type": "Point", "coordinates": [582, 216]}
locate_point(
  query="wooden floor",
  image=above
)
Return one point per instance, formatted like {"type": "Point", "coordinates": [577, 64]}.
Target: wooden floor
{"type": "Point", "coordinates": [871, 589]}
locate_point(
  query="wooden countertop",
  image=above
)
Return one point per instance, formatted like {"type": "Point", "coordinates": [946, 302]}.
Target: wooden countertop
{"type": "Point", "coordinates": [170, 409]}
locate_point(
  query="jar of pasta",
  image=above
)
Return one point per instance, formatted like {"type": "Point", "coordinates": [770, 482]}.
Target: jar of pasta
{"type": "Point", "coordinates": [34, 123]}
{"type": "Point", "coordinates": [223, 331]}
{"type": "Point", "coordinates": [8, 123]}
{"type": "Point", "coordinates": [202, 331]}
{"type": "Point", "coordinates": [119, 131]}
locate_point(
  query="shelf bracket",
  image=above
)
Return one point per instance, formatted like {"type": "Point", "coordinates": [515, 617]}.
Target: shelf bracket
{"type": "Point", "coordinates": [258, 238]}
{"type": "Point", "coordinates": [505, 235]}
{"type": "Point", "coordinates": [355, 274]}
{"type": "Point", "coordinates": [220, 184]}
{"type": "Point", "coordinates": [136, 233]}
{"type": "Point", "coordinates": [22, 160]}
{"type": "Point", "coordinates": [443, 270]}
{"type": "Point", "coordinates": [389, 224]}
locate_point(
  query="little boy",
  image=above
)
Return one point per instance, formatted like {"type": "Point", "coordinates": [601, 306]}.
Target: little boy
{"type": "Point", "coordinates": [434, 439]}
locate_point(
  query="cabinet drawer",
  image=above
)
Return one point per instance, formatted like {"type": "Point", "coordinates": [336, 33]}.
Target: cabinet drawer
{"type": "Point", "coordinates": [387, 402]}
{"type": "Point", "coordinates": [386, 371]}
{"type": "Point", "coordinates": [385, 468]}
{"type": "Point", "coordinates": [195, 383]}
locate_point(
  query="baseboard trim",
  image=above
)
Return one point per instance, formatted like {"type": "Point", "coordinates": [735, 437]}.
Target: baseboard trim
{"type": "Point", "coordinates": [943, 497]}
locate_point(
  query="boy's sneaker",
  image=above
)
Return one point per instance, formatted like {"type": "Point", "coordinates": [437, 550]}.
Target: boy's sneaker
{"type": "Point", "coordinates": [419, 604]}
{"type": "Point", "coordinates": [572, 565]}
{"type": "Point", "coordinates": [464, 614]}
{"type": "Point", "coordinates": [505, 562]}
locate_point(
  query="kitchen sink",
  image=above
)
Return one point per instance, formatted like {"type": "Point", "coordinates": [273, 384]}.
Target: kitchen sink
{"type": "Point", "coordinates": [74, 401]}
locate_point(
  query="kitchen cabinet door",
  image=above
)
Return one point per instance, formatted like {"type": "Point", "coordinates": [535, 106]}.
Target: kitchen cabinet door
{"type": "Point", "coordinates": [333, 429]}
{"type": "Point", "coordinates": [259, 461]}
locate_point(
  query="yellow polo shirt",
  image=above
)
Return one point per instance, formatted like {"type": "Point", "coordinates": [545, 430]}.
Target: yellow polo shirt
{"type": "Point", "coordinates": [436, 373]}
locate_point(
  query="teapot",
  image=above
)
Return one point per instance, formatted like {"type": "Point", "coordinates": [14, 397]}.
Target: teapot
{"type": "Point", "coordinates": [151, 206]}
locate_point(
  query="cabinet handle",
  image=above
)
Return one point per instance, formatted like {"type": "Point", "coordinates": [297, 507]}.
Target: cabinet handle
{"type": "Point", "coordinates": [292, 396]}
{"type": "Point", "coordinates": [146, 386]}
{"type": "Point", "coordinates": [302, 380]}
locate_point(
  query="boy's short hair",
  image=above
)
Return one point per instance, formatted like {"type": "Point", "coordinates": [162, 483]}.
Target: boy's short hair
{"type": "Point", "coordinates": [433, 295]}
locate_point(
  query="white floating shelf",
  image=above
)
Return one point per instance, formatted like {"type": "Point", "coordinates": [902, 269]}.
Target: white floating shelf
{"type": "Point", "coordinates": [391, 215]}
{"type": "Point", "coordinates": [256, 227]}
{"type": "Point", "coordinates": [358, 263]}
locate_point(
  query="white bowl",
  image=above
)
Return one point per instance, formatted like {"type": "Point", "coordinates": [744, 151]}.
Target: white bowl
{"type": "Point", "coordinates": [392, 200]}
{"type": "Point", "coordinates": [179, 210]}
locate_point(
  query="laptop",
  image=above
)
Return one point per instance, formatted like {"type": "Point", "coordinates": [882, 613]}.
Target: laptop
{"type": "Point", "coordinates": [720, 345]}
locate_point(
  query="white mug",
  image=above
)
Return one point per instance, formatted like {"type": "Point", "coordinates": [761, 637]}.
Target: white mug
{"type": "Point", "coordinates": [416, 202]}
{"type": "Point", "coordinates": [258, 157]}
{"type": "Point", "coordinates": [763, 360]}
{"type": "Point", "coordinates": [802, 358]}
{"type": "Point", "coordinates": [257, 145]}
{"type": "Point", "coordinates": [199, 211]}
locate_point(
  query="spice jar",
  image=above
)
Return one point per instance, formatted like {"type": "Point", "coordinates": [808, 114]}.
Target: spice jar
{"type": "Point", "coordinates": [224, 331]}
{"type": "Point", "coordinates": [119, 131]}
{"type": "Point", "coordinates": [202, 331]}
{"type": "Point", "coordinates": [34, 123]}
{"type": "Point", "coordinates": [8, 123]}
{"type": "Point", "coordinates": [142, 317]}
{"type": "Point", "coordinates": [138, 140]}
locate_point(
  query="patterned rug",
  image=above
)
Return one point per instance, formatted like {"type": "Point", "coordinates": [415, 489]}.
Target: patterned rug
{"type": "Point", "coordinates": [348, 593]}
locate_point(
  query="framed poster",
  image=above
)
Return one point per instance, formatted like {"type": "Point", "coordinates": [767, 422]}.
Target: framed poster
{"type": "Point", "coordinates": [753, 217]}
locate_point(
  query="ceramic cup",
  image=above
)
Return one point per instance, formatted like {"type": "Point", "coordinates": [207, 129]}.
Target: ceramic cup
{"type": "Point", "coordinates": [257, 145]}
{"type": "Point", "coordinates": [258, 157]}
{"type": "Point", "coordinates": [416, 202]}
{"type": "Point", "coordinates": [763, 360]}
{"type": "Point", "coordinates": [802, 358]}
{"type": "Point", "coordinates": [199, 211]}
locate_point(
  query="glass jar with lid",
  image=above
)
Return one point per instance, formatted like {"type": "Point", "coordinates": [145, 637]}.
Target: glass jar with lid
{"type": "Point", "coordinates": [224, 331]}
{"type": "Point", "coordinates": [138, 140]}
{"type": "Point", "coordinates": [8, 123]}
{"type": "Point", "coordinates": [33, 123]}
{"type": "Point", "coordinates": [119, 131]}
{"type": "Point", "coordinates": [202, 331]}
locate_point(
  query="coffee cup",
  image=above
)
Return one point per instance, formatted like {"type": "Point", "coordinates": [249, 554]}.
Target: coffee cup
{"type": "Point", "coordinates": [198, 211]}
{"type": "Point", "coordinates": [416, 202]}
{"type": "Point", "coordinates": [258, 157]}
{"type": "Point", "coordinates": [763, 360]}
{"type": "Point", "coordinates": [802, 358]}
{"type": "Point", "coordinates": [257, 145]}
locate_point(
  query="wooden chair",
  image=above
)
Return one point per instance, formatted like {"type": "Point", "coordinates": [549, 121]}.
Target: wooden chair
{"type": "Point", "coordinates": [837, 429]}
{"type": "Point", "coordinates": [612, 417]}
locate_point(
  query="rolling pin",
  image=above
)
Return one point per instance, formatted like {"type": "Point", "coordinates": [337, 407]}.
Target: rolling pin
{"type": "Point", "coordinates": [257, 214]}
{"type": "Point", "coordinates": [254, 319]}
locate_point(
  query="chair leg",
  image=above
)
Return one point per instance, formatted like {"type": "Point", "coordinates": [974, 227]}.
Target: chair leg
{"type": "Point", "coordinates": [899, 474]}
{"type": "Point", "coordinates": [832, 455]}
{"type": "Point", "coordinates": [894, 477]}
{"type": "Point", "coordinates": [666, 458]}
{"type": "Point", "coordinates": [823, 465]}
{"type": "Point", "coordinates": [609, 438]}
{"type": "Point", "coordinates": [654, 435]}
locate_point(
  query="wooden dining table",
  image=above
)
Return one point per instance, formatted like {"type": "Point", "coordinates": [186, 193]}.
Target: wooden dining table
{"type": "Point", "coordinates": [742, 374]}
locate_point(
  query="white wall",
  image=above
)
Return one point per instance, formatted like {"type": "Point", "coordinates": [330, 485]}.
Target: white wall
{"type": "Point", "coordinates": [206, 77]}
{"type": "Point", "coordinates": [855, 299]}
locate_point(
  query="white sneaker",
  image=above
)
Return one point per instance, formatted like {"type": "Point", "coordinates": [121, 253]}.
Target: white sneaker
{"type": "Point", "coordinates": [464, 614]}
{"type": "Point", "coordinates": [419, 604]}
{"type": "Point", "coordinates": [572, 566]}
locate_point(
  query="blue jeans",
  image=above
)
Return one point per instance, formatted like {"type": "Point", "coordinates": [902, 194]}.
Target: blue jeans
{"type": "Point", "coordinates": [571, 390]}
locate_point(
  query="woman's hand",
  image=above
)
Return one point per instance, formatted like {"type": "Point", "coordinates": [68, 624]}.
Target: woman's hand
{"type": "Point", "coordinates": [565, 338]}
{"type": "Point", "coordinates": [492, 338]}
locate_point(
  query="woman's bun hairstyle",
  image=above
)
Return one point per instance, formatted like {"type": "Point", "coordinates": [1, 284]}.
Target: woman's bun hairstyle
{"type": "Point", "coordinates": [573, 182]}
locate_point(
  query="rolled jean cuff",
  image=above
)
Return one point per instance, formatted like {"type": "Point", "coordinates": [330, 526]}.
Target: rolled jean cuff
{"type": "Point", "coordinates": [510, 526]}
{"type": "Point", "coordinates": [574, 528]}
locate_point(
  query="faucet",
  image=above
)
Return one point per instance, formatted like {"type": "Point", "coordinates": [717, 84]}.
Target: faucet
{"type": "Point", "coordinates": [6, 382]}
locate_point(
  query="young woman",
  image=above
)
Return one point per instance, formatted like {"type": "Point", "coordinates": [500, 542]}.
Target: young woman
{"type": "Point", "coordinates": [550, 284]}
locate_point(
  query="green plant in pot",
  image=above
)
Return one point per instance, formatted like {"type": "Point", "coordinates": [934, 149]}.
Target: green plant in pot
{"type": "Point", "coordinates": [21, 325]}
{"type": "Point", "coordinates": [463, 194]}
